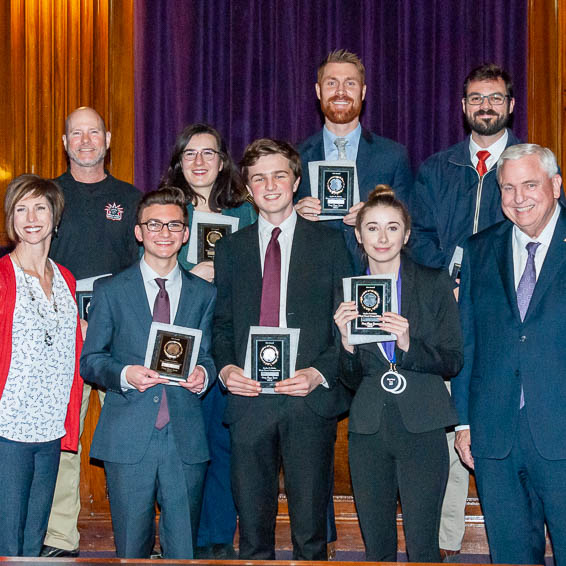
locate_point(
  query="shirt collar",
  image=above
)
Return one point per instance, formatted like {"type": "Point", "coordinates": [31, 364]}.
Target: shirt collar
{"type": "Point", "coordinates": [353, 139]}
{"type": "Point", "coordinates": [148, 274]}
{"type": "Point", "coordinates": [495, 149]}
{"type": "Point", "coordinates": [288, 225]}
{"type": "Point", "coordinates": [522, 239]}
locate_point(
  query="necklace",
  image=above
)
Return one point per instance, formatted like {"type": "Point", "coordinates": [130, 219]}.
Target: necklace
{"type": "Point", "coordinates": [47, 334]}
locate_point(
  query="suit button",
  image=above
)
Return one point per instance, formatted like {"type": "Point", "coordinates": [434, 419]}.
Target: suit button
{"type": "Point", "coordinates": [156, 399]}
{"type": "Point", "coordinates": [523, 338]}
{"type": "Point", "coordinates": [517, 373]}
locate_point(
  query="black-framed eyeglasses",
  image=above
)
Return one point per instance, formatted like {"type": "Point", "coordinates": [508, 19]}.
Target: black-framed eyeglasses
{"type": "Point", "coordinates": [157, 225]}
{"type": "Point", "coordinates": [208, 154]}
{"type": "Point", "coordinates": [495, 98]}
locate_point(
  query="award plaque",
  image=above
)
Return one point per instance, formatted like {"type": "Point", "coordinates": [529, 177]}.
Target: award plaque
{"type": "Point", "coordinates": [83, 302]}
{"type": "Point", "coordinates": [335, 185]}
{"type": "Point", "coordinates": [373, 295]}
{"type": "Point", "coordinates": [270, 358]}
{"type": "Point", "coordinates": [373, 298]}
{"type": "Point", "coordinates": [271, 355]}
{"type": "Point", "coordinates": [206, 229]}
{"type": "Point", "coordinates": [84, 294]}
{"type": "Point", "coordinates": [172, 355]}
{"type": "Point", "coordinates": [208, 235]}
{"type": "Point", "coordinates": [335, 189]}
{"type": "Point", "coordinates": [172, 350]}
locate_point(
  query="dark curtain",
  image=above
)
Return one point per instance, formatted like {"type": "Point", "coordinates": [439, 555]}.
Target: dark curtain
{"type": "Point", "coordinates": [248, 67]}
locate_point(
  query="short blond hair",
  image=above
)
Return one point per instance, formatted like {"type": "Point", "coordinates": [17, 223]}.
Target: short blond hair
{"type": "Point", "coordinates": [31, 185]}
{"type": "Point", "coordinates": [342, 56]}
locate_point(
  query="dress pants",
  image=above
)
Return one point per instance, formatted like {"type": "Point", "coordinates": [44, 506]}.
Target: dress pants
{"type": "Point", "coordinates": [282, 430]}
{"type": "Point", "coordinates": [394, 461]}
{"type": "Point", "coordinates": [218, 514]}
{"type": "Point", "coordinates": [27, 481]}
{"type": "Point", "coordinates": [62, 531]}
{"type": "Point", "coordinates": [159, 477]}
{"type": "Point", "coordinates": [518, 494]}
{"type": "Point", "coordinates": [453, 517]}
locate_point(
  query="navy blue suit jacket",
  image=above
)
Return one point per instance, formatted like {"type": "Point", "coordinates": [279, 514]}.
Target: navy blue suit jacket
{"type": "Point", "coordinates": [501, 352]}
{"type": "Point", "coordinates": [379, 160]}
{"type": "Point", "coordinates": [119, 323]}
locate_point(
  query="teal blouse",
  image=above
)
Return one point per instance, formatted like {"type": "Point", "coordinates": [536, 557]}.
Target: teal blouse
{"type": "Point", "coordinates": [245, 212]}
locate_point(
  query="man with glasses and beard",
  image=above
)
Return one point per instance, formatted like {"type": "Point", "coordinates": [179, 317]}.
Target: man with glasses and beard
{"type": "Point", "coordinates": [456, 192]}
{"type": "Point", "coordinates": [456, 195]}
{"type": "Point", "coordinates": [341, 90]}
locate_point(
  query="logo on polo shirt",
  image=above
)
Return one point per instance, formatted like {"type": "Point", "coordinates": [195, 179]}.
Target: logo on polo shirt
{"type": "Point", "coordinates": [114, 211]}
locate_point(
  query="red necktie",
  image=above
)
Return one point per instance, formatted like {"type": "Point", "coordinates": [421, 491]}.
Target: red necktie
{"type": "Point", "coordinates": [162, 313]}
{"type": "Point", "coordinates": [271, 285]}
{"type": "Point", "coordinates": [481, 167]}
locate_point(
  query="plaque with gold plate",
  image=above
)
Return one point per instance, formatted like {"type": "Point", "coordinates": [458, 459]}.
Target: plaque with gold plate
{"type": "Point", "coordinates": [207, 228]}
{"type": "Point", "coordinates": [172, 350]}
{"type": "Point", "coordinates": [373, 295]}
{"type": "Point", "coordinates": [335, 185]}
{"type": "Point", "coordinates": [271, 355]}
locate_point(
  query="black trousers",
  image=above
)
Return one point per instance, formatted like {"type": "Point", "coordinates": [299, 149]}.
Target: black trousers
{"type": "Point", "coordinates": [283, 431]}
{"type": "Point", "coordinates": [394, 461]}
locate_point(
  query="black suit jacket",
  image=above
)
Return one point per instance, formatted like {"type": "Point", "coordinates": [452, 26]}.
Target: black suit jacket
{"type": "Point", "coordinates": [319, 260]}
{"type": "Point", "coordinates": [435, 351]}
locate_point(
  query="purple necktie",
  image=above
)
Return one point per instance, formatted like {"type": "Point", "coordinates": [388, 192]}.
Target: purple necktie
{"type": "Point", "coordinates": [161, 313]}
{"type": "Point", "coordinates": [528, 279]}
{"type": "Point", "coordinates": [271, 285]}
{"type": "Point", "coordinates": [525, 291]}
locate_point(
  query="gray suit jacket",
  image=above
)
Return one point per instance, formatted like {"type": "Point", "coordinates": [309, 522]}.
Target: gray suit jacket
{"type": "Point", "coordinates": [119, 323]}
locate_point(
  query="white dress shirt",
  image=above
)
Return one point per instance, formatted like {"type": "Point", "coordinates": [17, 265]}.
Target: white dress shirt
{"type": "Point", "coordinates": [285, 240]}
{"type": "Point", "coordinates": [520, 241]}
{"type": "Point", "coordinates": [495, 150]}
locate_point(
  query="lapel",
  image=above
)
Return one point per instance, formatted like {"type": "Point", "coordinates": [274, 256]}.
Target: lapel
{"type": "Point", "coordinates": [296, 270]}
{"type": "Point", "coordinates": [186, 300]}
{"type": "Point", "coordinates": [316, 149]}
{"type": "Point", "coordinates": [134, 297]}
{"type": "Point", "coordinates": [248, 263]}
{"type": "Point", "coordinates": [503, 247]}
{"type": "Point", "coordinates": [365, 160]}
{"type": "Point", "coordinates": [553, 262]}
{"type": "Point", "coordinates": [408, 297]}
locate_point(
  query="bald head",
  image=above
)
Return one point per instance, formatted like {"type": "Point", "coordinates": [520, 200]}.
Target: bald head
{"type": "Point", "coordinates": [86, 142]}
{"type": "Point", "coordinates": [84, 111]}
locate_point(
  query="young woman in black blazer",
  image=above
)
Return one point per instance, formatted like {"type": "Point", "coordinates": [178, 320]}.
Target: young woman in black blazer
{"type": "Point", "coordinates": [397, 441]}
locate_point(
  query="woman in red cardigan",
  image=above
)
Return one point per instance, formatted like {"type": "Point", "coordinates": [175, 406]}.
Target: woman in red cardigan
{"type": "Point", "coordinates": [40, 343]}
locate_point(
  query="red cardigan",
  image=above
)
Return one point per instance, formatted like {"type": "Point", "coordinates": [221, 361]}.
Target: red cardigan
{"type": "Point", "coordinates": [7, 304]}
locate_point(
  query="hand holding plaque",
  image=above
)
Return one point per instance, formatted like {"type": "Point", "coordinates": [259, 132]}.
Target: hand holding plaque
{"type": "Point", "coordinates": [207, 228]}
{"type": "Point", "coordinates": [335, 184]}
{"type": "Point", "coordinates": [172, 350]}
{"type": "Point", "coordinates": [373, 296]}
{"type": "Point", "coordinates": [271, 355]}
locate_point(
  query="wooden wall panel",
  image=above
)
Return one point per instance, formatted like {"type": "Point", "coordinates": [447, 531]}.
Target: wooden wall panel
{"type": "Point", "coordinates": [58, 55]}
{"type": "Point", "coordinates": [547, 75]}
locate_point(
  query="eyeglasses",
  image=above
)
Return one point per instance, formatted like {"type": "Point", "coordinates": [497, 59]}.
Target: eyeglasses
{"type": "Point", "coordinates": [495, 99]}
{"type": "Point", "coordinates": [207, 154]}
{"type": "Point", "coordinates": [157, 226]}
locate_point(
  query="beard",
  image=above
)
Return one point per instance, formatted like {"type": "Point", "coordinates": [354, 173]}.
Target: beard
{"type": "Point", "coordinates": [488, 128]}
{"type": "Point", "coordinates": [341, 116]}
{"type": "Point", "coordinates": [91, 161]}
